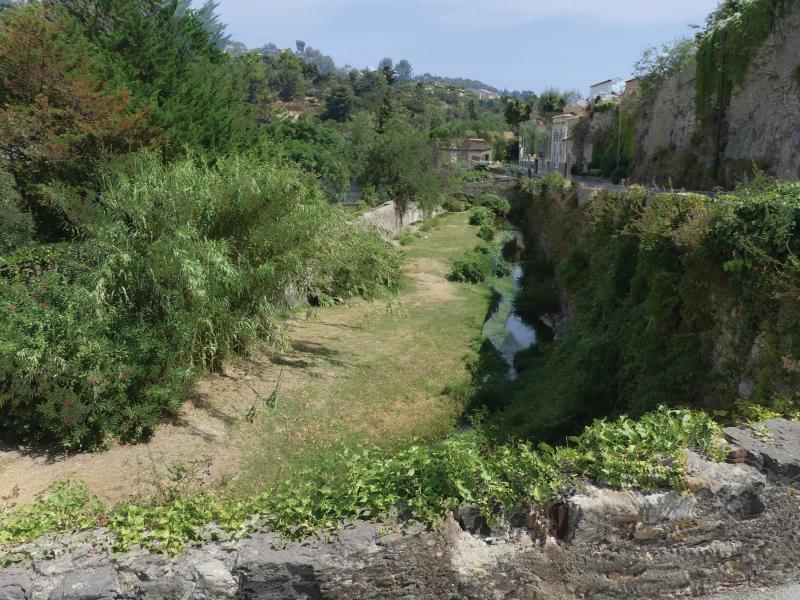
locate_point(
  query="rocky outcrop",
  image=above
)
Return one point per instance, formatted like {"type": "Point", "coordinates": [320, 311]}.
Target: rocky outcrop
{"type": "Point", "coordinates": [738, 523]}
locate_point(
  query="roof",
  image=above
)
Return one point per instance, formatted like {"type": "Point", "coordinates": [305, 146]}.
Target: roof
{"type": "Point", "coordinates": [602, 82]}
{"type": "Point", "coordinates": [566, 117]}
{"type": "Point", "coordinates": [478, 144]}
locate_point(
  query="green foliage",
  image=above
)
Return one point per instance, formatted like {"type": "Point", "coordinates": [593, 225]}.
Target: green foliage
{"type": "Point", "coordinates": [497, 204]}
{"type": "Point", "coordinates": [640, 273]}
{"type": "Point", "coordinates": [515, 112]}
{"type": "Point", "coordinates": [480, 216]}
{"type": "Point", "coordinates": [188, 263]}
{"type": "Point", "coordinates": [397, 162]}
{"type": "Point", "coordinates": [551, 101]}
{"type": "Point", "coordinates": [486, 233]}
{"type": "Point", "coordinates": [470, 176]}
{"type": "Point", "coordinates": [339, 103]}
{"type": "Point", "coordinates": [64, 506]}
{"type": "Point", "coordinates": [733, 34]}
{"type": "Point", "coordinates": [166, 57]}
{"type": "Point", "coordinates": [318, 149]}
{"type": "Point", "coordinates": [367, 483]}
{"type": "Point", "coordinates": [478, 264]}
{"type": "Point", "coordinates": [16, 222]}
{"type": "Point", "coordinates": [621, 137]}
{"type": "Point", "coordinates": [660, 63]}
{"type": "Point", "coordinates": [454, 205]}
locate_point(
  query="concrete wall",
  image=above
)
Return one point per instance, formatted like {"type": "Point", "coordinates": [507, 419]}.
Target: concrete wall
{"type": "Point", "coordinates": [389, 217]}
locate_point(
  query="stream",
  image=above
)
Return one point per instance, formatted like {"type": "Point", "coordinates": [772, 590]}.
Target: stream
{"type": "Point", "coordinates": [505, 329]}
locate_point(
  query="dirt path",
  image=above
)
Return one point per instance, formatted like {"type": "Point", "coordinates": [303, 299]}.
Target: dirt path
{"type": "Point", "coordinates": [363, 370]}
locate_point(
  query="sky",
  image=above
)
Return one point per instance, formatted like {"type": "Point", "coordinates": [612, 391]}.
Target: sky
{"type": "Point", "coordinates": [509, 44]}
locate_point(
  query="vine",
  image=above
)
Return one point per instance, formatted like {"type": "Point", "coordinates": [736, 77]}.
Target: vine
{"type": "Point", "coordinates": [733, 35]}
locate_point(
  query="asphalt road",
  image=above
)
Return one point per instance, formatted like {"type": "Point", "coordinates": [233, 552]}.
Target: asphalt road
{"type": "Point", "coordinates": [791, 592]}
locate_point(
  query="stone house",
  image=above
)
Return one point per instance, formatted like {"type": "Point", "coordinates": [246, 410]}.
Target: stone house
{"type": "Point", "coordinates": [471, 152]}
{"type": "Point", "coordinates": [563, 147]}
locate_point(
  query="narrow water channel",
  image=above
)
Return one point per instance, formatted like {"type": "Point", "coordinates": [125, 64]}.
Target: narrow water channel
{"type": "Point", "coordinates": [505, 329]}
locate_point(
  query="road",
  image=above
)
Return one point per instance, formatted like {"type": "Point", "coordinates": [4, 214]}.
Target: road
{"type": "Point", "coordinates": [791, 592]}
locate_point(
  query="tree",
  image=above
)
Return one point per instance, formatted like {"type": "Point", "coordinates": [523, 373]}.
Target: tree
{"type": "Point", "coordinates": [404, 71]}
{"type": "Point", "coordinates": [209, 19]}
{"type": "Point", "coordinates": [287, 76]}
{"type": "Point", "coordinates": [658, 63]}
{"type": "Point", "coordinates": [551, 100]}
{"type": "Point", "coordinates": [385, 113]}
{"type": "Point", "coordinates": [301, 47]}
{"type": "Point", "coordinates": [400, 164]}
{"type": "Point", "coordinates": [167, 60]}
{"type": "Point", "coordinates": [59, 119]}
{"type": "Point", "coordinates": [339, 103]}
{"type": "Point", "coordinates": [515, 112]}
{"type": "Point", "coordinates": [386, 66]}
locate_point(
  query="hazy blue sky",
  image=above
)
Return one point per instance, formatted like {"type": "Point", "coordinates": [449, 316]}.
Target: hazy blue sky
{"type": "Point", "coordinates": [518, 44]}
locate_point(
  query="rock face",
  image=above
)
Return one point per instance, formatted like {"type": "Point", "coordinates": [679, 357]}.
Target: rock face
{"type": "Point", "coordinates": [738, 523]}
{"type": "Point", "coordinates": [774, 447]}
{"type": "Point", "coordinates": [762, 121]}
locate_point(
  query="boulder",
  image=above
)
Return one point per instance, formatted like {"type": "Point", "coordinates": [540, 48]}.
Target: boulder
{"type": "Point", "coordinates": [772, 447]}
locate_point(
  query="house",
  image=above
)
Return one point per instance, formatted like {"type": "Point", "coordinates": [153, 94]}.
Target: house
{"type": "Point", "coordinates": [485, 94]}
{"type": "Point", "coordinates": [472, 151]}
{"type": "Point", "coordinates": [563, 151]}
{"type": "Point", "coordinates": [631, 86]}
{"type": "Point", "coordinates": [606, 90]}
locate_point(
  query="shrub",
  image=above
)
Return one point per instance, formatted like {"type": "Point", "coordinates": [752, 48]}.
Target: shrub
{"type": "Point", "coordinates": [454, 205]}
{"type": "Point", "coordinates": [192, 263]}
{"type": "Point", "coordinates": [16, 222]}
{"type": "Point", "coordinates": [480, 215]}
{"type": "Point", "coordinates": [478, 264]}
{"type": "Point", "coordinates": [497, 204]}
{"type": "Point", "coordinates": [486, 233]}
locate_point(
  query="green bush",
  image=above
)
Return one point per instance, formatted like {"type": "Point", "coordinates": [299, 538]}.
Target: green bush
{"type": "Point", "coordinates": [16, 222]}
{"type": "Point", "coordinates": [191, 262]}
{"type": "Point", "coordinates": [486, 233]}
{"type": "Point", "coordinates": [454, 205]}
{"type": "Point", "coordinates": [478, 264]}
{"type": "Point", "coordinates": [480, 215]}
{"type": "Point", "coordinates": [497, 204]}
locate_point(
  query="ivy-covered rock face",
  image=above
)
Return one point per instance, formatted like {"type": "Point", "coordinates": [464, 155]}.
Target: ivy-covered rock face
{"type": "Point", "coordinates": [675, 297]}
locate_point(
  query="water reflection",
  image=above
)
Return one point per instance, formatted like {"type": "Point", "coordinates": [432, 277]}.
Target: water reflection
{"type": "Point", "coordinates": [506, 330]}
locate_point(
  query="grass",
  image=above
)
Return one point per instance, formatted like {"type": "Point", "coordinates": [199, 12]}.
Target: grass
{"type": "Point", "coordinates": [377, 373]}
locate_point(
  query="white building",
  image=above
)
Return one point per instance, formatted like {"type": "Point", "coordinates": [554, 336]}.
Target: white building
{"type": "Point", "coordinates": [485, 94]}
{"type": "Point", "coordinates": [607, 90]}
{"type": "Point", "coordinates": [562, 144]}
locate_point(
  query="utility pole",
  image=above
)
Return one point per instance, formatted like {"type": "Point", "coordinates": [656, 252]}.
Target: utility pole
{"type": "Point", "coordinates": [619, 133]}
